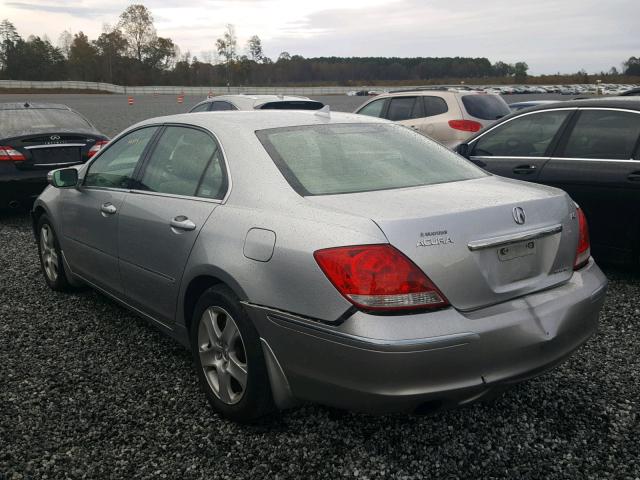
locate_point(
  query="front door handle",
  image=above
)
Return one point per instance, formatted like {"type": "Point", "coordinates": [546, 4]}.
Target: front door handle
{"type": "Point", "coordinates": [108, 208]}
{"type": "Point", "coordinates": [182, 223]}
{"type": "Point", "coordinates": [634, 177]}
{"type": "Point", "coordinates": [524, 169]}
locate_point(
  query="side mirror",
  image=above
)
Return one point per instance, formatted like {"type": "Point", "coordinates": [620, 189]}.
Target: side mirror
{"type": "Point", "coordinates": [63, 178]}
{"type": "Point", "coordinates": [463, 149]}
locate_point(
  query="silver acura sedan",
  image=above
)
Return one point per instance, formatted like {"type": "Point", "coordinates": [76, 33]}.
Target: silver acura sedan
{"type": "Point", "coordinates": [335, 258]}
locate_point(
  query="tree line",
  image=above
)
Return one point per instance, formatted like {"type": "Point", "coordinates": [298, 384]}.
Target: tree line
{"type": "Point", "coordinates": [131, 53]}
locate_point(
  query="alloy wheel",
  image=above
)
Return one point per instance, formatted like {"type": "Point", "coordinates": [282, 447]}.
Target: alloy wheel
{"type": "Point", "coordinates": [50, 260]}
{"type": "Point", "coordinates": [222, 355]}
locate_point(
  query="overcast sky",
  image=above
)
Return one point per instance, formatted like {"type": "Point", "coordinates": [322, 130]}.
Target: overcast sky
{"type": "Point", "coordinates": [550, 35]}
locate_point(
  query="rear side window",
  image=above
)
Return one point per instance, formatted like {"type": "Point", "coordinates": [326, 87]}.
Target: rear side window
{"type": "Point", "coordinates": [434, 106]}
{"type": "Point", "coordinates": [402, 108]}
{"type": "Point", "coordinates": [203, 107]}
{"type": "Point", "coordinates": [114, 167]}
{"type": "Point", "coordinates": [525, 136]}
{"type": "Point", "coordinates": [603, 134]}
{"type": "Point", "coordinates": [24, 121]}
{"type": "Point", "coordinates": [373, 109]}
{"type": "Point", "coordinates": [485, 107]}
{"type": "Point", "coordinates": [181, 164]}
{"type": "Point", "coordinates": [292, 105]}
{"type": "Point", "coordinates": [348, 158]}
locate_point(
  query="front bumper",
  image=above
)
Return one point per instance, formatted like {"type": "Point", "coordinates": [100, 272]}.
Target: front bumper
{"type": "Point", "coordinates": [384, 364]}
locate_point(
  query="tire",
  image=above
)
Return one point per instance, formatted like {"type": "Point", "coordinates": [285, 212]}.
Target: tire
{"type": "Point", "coordinates": [226, 350]}
{"type": "Point", "coordinates": [50, 256]}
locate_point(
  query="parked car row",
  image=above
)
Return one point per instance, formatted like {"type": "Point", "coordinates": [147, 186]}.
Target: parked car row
{"type": "Point", "coordinates": [576, 89]}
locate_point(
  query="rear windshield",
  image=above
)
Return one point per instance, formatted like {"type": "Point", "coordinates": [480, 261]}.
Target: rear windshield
{"type": "Point", "coordinates": [486, 107]}
{"type": "Point", "coordinates": [349, 158]}
{"type": "Point", "coordinates": [292, 105]}
{"type": "Point", "coordinates": [14, 123]}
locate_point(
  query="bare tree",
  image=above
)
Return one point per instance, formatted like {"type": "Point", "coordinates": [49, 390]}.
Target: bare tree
{"type": "Point", "coordinates": [136, 22]}
{"type": "Point", "coordinates": [64, 42]}
{"type": "Point", "coordinates": [254, 47]}
{"type": "Point", "coordinates": [226, 47]}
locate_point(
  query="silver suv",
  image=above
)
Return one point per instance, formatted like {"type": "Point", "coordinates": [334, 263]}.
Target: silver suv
{"type": "Point", "coordinates": [448, 116]}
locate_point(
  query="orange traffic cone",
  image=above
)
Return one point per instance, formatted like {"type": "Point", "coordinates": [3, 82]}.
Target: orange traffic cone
{"type": "Point", "coordinates": [210, 94]}
{"type": "Point", "coordinates": [181, 98]}
{"type": "Point", "coordinates": [130, 100]}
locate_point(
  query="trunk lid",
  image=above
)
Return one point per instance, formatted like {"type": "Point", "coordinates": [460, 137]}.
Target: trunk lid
{"type": "Point", "coordinates": [53, 150]}
{"type": "Point", "coordinates": [464, 235]}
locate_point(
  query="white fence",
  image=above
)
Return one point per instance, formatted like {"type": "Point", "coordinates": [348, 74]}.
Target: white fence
{"type": "Point", "coordinates": [174, 90]}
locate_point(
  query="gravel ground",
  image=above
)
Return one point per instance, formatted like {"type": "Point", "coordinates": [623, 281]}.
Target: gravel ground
{"type": "Point", "coordinates": [88, 390]}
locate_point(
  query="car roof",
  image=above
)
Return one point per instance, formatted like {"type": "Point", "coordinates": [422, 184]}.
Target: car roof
{"type": "Point", "coordinates": [252, 120]}
{"type": "Point", "coordinates": [247, 101]}
{"type": "Point", "coordinates": [28, 105]}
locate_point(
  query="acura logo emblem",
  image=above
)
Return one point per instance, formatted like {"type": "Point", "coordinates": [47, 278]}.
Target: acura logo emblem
{"type": "Point", "coordinates": [55, 137]}
{"type": "Point", "coordinates": [519, 216]}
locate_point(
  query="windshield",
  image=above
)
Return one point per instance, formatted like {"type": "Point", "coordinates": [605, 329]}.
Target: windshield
{"type": "Point", "coordinates": [485, 107]}
{"type": "Point", "coordinates": [25, 121]}
{"type": "Point", "coordinates": [349, 158]}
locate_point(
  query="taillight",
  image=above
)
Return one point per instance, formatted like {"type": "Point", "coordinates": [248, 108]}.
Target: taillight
{"type": "Point", "coordinates": [10, 154]}
{"type": "Point", "coordinates": [97, 147]}
{"type": "Point", "coordinates": [583, 251]}
{"type": "Point", "coordinates": [465, 125]}
{"type": "Point", "coordinates": [378, 277]}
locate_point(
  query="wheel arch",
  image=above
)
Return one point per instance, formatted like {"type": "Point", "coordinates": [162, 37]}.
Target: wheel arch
{"type": "Point", "coordinates": [197, 283]}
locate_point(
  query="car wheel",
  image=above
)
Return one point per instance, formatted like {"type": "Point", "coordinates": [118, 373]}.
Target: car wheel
{"type": "Point", "coordinates": [51, 256]}
{"type": "Point", "coordinates": [228, 357]}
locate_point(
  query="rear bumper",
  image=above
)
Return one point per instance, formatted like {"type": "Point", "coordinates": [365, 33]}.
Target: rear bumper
{"type": "Point", "coordinates": [20, 186]}
{"type": "Point", "coordinates": [398, 363]}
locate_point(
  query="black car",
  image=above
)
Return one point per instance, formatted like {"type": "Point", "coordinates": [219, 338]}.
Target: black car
{"type": "Point", "coordinates": [590, 149]}
{"type": "Point", "coordinates": [36, 138]}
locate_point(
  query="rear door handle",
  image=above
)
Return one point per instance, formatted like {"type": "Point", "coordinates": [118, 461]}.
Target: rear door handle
{"type": "Point", "coordinates": [182, 223]}
{"type": "Point", "coordinates": [524, 169]}
{"type": "Point", "coordinates": [108, 208]}
{"type": "Point", "coordinates": [634, 177]}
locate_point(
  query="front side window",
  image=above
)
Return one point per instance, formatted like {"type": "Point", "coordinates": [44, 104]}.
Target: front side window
{"type": "Point", "coordinates": [181, 164]}
{"type": "Point", "coordinates": [525, 136]}
{"type": "Point", "coordinates": [114, 167]}
{"type": "Point", "coordinates": [607, 134]}
{"type": "Point", "coordinates": [373, 109]}
{"type": "Point", "coordinates": [349, 158]}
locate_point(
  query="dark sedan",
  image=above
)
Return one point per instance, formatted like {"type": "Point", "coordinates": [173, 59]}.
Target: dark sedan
{"type": "Point", "coordinates": [36, 138]}
{"type": "Point", "coordinates": [590, 149]}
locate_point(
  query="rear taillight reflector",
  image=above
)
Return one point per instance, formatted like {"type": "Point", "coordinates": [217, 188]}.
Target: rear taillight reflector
{"type": "Point", "coordinates": [10, 154]}
{"type": "Point", "coordinates": [97, 147]}
{"type": "Point", "coordinates": [378, 277]}
{"type": "Point", "coordinates": [583, 250]}
{"type": "Point", "coordinates": [465, 125]}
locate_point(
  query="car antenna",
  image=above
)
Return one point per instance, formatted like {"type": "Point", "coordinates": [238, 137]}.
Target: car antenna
{"type": "Point", "coordinates": [324, 112]}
